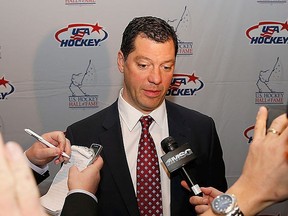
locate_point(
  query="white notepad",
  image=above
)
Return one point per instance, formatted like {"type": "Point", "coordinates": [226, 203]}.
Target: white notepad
{"type": "Point", "coordinates": [53, 200]}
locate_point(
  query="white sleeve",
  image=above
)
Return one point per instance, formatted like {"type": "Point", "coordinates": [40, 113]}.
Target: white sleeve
{"type": "Point", "coordinates": [84, 192]}
{"type": "Point", "coordinates": [37, 169]}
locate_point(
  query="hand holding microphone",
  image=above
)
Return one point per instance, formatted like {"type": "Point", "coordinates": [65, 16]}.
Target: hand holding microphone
{"type": "Point", "coordinates": [176, 158]}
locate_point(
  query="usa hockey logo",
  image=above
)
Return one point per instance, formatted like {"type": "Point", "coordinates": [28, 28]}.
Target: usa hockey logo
{"type": "Point", "coordinates": [267, 33]}
{"type": "Point", "coordinates": [81, 35]}
{"type": "Point", "coordinates": [184, 85]}
{"type": "Point", "coordinates": [6, 88]}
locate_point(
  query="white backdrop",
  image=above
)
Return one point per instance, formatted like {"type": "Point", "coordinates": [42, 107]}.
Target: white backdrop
{"type": "Point", "coordinates": [232, 59]}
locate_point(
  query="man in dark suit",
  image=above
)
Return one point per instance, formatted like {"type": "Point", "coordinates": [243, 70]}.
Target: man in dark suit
{"type": "Point", "coordinates": [147, 60]}
{"type": "Point", "coordinates": [116, 195]}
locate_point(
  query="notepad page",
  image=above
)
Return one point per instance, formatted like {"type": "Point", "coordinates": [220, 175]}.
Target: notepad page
{"type": "Point", "coordinates": [53, 200]}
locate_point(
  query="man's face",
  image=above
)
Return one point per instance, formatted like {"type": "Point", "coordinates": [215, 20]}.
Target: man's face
{"type": "Point", "coordinates": [148, 72]}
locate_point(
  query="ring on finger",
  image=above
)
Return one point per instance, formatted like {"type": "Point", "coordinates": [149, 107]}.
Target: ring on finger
{"type": "Point", "coordinates": [272, 130]}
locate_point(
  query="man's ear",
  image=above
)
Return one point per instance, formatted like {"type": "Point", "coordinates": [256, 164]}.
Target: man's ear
{"type": "Point", "coordinates": [120, 61]}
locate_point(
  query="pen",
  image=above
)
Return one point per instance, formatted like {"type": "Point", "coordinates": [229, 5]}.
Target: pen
{"type": "Point", "coordinates": [42, 140]}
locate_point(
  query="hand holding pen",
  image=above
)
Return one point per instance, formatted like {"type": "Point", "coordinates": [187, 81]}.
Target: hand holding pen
{"type": "Point", "coordinates": [56, 146]}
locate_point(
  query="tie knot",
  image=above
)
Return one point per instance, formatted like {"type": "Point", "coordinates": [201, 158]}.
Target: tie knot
{"type": "Point", "coordinates": [146, 121]}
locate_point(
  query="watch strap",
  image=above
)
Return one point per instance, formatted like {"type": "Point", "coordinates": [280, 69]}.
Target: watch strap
{"type": "Point", "coordinates": [235, 212]}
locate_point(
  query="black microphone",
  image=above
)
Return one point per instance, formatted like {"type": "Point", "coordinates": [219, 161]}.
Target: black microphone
{"type": "Point", "coordinates": [176, 158]}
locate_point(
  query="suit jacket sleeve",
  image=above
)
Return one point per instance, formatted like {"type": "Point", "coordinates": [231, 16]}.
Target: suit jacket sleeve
{"type": "Point", "coordinates": [39, 178]}
{"type": "Point", "coordinates": [216, 162]}
{"type": "Point", "coordinates": [209, 167]}
{"type": "Point", "coordinates": [78, 204]}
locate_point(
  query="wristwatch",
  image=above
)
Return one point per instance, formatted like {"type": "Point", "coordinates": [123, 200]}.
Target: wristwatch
{"type": "Point", "coordinates": [226, 204]}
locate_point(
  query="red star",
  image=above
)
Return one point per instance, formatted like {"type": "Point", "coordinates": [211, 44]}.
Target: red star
{"type": "Point", "coordinates": [193, 78]}
{"type": "Point", "coordinates": [97, 28]}
{"type": "Point", "coordinates": [3, 82]}
{"type": "Point", "coordinates": [285, 26]}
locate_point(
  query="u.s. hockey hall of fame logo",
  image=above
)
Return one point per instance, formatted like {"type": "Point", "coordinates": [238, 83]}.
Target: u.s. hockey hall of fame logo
{"type": "Point", "coordinates": [80, 87]}
{"type": "Point", "coordinates": [181, 25]}
{"type": "Point", "coordinates": [267, 84]}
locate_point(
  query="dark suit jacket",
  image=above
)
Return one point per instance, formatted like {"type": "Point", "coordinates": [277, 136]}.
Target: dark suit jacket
{"type": "Point", "coordinates": [79, 204]}
{"type": "Point", "coordinates": [116, 195]}
{"type": "Point", "coordinates": [39, 178]}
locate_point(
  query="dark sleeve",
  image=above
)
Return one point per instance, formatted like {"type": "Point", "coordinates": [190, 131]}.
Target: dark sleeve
{"type": "Point", "coordinates": [78, 204]}
{"type": "Point", "coordinates": [39, 178]}
{"type": "Point", "coordinates": [208, 169]}
{"type": "Point", "coordinates": [216, 162]}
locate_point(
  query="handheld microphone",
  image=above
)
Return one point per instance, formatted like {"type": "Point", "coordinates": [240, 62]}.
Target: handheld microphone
{"type": "Point", "coordinates": [176, 158]}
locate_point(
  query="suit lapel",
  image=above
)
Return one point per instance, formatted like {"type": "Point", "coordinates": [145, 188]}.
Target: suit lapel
{"type": "Point", "coordinates": [180, 131]}
{"type": "Point", "coordinates": [115, 158]}
{"type": "Point", "coordinates": [176, 124]}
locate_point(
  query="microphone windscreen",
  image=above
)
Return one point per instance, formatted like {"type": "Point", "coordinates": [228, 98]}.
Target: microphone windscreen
{"type": "Point", "coordinates": [169, 144]}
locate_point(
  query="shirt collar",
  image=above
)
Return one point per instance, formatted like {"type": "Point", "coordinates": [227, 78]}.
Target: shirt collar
{"type": "Point", "coordinates": [131, 115]}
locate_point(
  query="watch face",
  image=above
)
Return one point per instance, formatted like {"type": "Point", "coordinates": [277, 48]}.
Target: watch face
{"type": "Point", "coordinates": [223, 203]}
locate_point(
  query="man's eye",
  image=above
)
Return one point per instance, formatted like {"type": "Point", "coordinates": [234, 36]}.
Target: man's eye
{"type": "Point", "coordinates": [143, 66]}
{"type": "Point", "coordinates": [167, 68]}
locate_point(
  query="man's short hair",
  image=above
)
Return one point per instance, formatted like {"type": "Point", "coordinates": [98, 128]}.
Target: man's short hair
{"type": "Point", "coordinates": [153, 28]}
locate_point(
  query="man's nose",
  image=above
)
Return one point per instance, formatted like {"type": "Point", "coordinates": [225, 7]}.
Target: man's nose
{"type": "Point", "coordinates": [155, 75]}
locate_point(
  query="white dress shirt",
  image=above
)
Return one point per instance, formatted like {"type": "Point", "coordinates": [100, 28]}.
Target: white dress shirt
{"type": "Point", "coordinates": [131, 131]}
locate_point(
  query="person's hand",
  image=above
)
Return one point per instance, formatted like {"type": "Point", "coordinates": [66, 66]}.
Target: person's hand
{"type": "Point", "coordinates": [87, 179]}
{"type": "Point", "coordinates": [19, 195]}
{"type": "Point", "coordinates": [202, 204]}
{"type": "Point", "coordinates": [40, 155]}
{"type": "Point", "coordinates": [264, 180]}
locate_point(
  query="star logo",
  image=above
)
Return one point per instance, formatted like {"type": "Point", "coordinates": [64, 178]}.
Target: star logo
{"type": "Point", "coordinates": [97, 28]}
{"type": "Point", "coordinates": [8, 90]}
{"type": "Point", "coordinates": [284, 26]}
{"type": "Point", "coordinates": [3, 82]}
{"type": "Point", "coordinates": [193, 78]}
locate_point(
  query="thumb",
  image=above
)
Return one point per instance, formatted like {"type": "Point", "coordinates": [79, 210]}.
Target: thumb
{"type": "Point", "coordinates": [185, 185]}
{"type": "Point", "coordinates": [73, 171]}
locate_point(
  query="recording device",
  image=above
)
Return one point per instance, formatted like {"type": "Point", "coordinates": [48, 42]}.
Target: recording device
{"type": "Point", "coordinates": [97, 148]}
{"type": "Point", "coordinates": [175, 160]}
